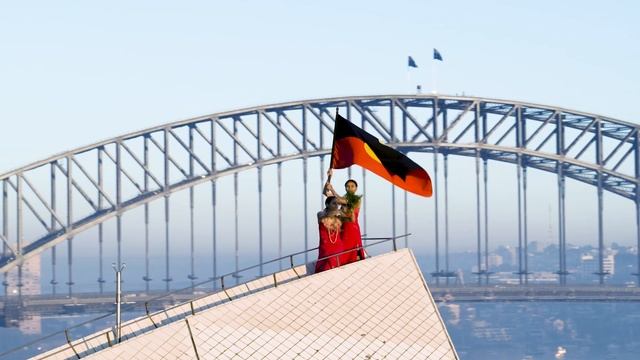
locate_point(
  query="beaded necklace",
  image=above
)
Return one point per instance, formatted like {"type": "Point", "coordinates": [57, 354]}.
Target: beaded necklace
{"type": "Point", "coordinates": [332, 225]}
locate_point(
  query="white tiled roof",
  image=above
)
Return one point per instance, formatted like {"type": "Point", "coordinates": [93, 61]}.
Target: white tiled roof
{"type": "Point", "coordinates": [372, 309]}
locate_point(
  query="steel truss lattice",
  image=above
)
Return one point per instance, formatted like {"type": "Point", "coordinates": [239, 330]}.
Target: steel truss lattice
{"type": "Point", "coordinates": [73, 191]}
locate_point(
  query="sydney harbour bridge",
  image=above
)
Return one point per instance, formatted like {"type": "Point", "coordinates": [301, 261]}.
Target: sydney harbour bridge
{"type": "Point", "coordinates": [205, 172]}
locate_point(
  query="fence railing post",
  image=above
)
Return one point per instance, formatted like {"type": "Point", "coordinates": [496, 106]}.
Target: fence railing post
{"type": "Point", "coordinates": [66, 334]}
{"type": "Point", "coordinates": [118, 269]}
{"type": "Point", "coordinates": [146, 309]}
{"type": "Point", "coordinates": [293, 267]}
{"type": "Point", "coordinates": [108, 339]}
{"type": "Point", "coordinates": [223, 288]}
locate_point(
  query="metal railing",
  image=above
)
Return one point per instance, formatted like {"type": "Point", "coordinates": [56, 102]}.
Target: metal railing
{"type": "Point", "coordinates": [98, 340]}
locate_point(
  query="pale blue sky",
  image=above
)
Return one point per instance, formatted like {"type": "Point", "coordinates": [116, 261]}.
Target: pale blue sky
{"type": "Point", "coordinates": [73, 73]}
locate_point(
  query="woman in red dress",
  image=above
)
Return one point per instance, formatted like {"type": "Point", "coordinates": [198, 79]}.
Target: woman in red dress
{"type": "Point", "coordinates": [351, 236]}
{"type": "Point", "coordinates": [329, 226]}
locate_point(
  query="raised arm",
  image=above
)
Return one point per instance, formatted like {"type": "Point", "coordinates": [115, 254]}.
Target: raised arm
{"type": "Point", "coordinates": [330, 191]}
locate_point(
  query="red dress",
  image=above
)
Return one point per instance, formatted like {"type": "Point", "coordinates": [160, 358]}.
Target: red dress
{"type": "Point", "coordinates": [352, 239]}
{"type": "Point", "coordinates": [330, 244]}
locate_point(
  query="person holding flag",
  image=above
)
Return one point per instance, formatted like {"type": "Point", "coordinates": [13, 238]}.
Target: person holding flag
{"type": "Point", "coordinates": [352, 145]}
{"type": "Point", "coordinates": [350, 234]}
{"type": "Point", "coordinates": [329, 228]}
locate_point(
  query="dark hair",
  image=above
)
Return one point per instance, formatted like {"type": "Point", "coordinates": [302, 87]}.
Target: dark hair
{"type": "Point", "coordinates": [328, 200]}
{"type": "Point", "coordinates": [351, 180]}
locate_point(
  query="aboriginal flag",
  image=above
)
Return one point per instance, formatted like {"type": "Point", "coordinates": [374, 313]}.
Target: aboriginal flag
{"type": "Point", "coordinates": [352, 145]}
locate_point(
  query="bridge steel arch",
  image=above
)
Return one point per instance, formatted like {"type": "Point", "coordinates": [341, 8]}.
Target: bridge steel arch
{"type": "Point", "coordinates": [108, 178]}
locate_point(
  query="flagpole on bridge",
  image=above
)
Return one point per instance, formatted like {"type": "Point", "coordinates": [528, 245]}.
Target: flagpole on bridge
{"type": "Point", "coordinates": [436, 56]}
{"type": "Point", "coordinates": [333, 143]}
{"type": "Point", "coordinates": [411, 64]}
{"type": "Point", "coordinates": [433, 77]}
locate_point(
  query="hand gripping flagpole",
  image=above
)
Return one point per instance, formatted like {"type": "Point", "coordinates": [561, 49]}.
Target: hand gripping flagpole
{"type": "Point", "coordinates": [333, 144]}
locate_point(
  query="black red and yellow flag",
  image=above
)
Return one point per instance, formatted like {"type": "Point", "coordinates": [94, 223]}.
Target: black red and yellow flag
{"type": "Point", "coordinates": [352, 145]}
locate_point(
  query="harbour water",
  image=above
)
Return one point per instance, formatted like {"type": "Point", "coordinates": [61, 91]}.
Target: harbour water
{"type": "Point", "coordinates": [500, 330]}
{"type": "Point", "coordinates": [481, 330]}
{"type": "Point", "coordinates": [544, 330]}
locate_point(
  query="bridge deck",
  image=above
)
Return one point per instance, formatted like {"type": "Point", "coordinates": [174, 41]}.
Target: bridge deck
{"type": "Point", "coordinates": [86, 303]}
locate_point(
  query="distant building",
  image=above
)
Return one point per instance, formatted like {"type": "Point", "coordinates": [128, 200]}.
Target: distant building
{"type": "Point", "coordinates": [508, 254]}
{"type": "Point", "coordinates": [609, 263]}
{"type": "Point", "coordinates": [587, 266]}
{"type": "Point", "coordinates": [543, 277]}
{"type": "Point", "coordinates": [26, 281]}
{"type": "Point", "coordinates": [535, 247]}
{"type": "Point", "coordinates": [494, 260]}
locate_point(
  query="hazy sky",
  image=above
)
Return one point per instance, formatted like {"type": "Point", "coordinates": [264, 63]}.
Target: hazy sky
{"type": "Point", "coordinates": [72, 73]}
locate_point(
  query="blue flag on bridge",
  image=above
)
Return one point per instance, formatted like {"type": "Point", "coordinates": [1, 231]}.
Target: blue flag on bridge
{"type": "Point", "coordinates": [436, 54]}
{"type": "Point", "coordinates": [412, 63]}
